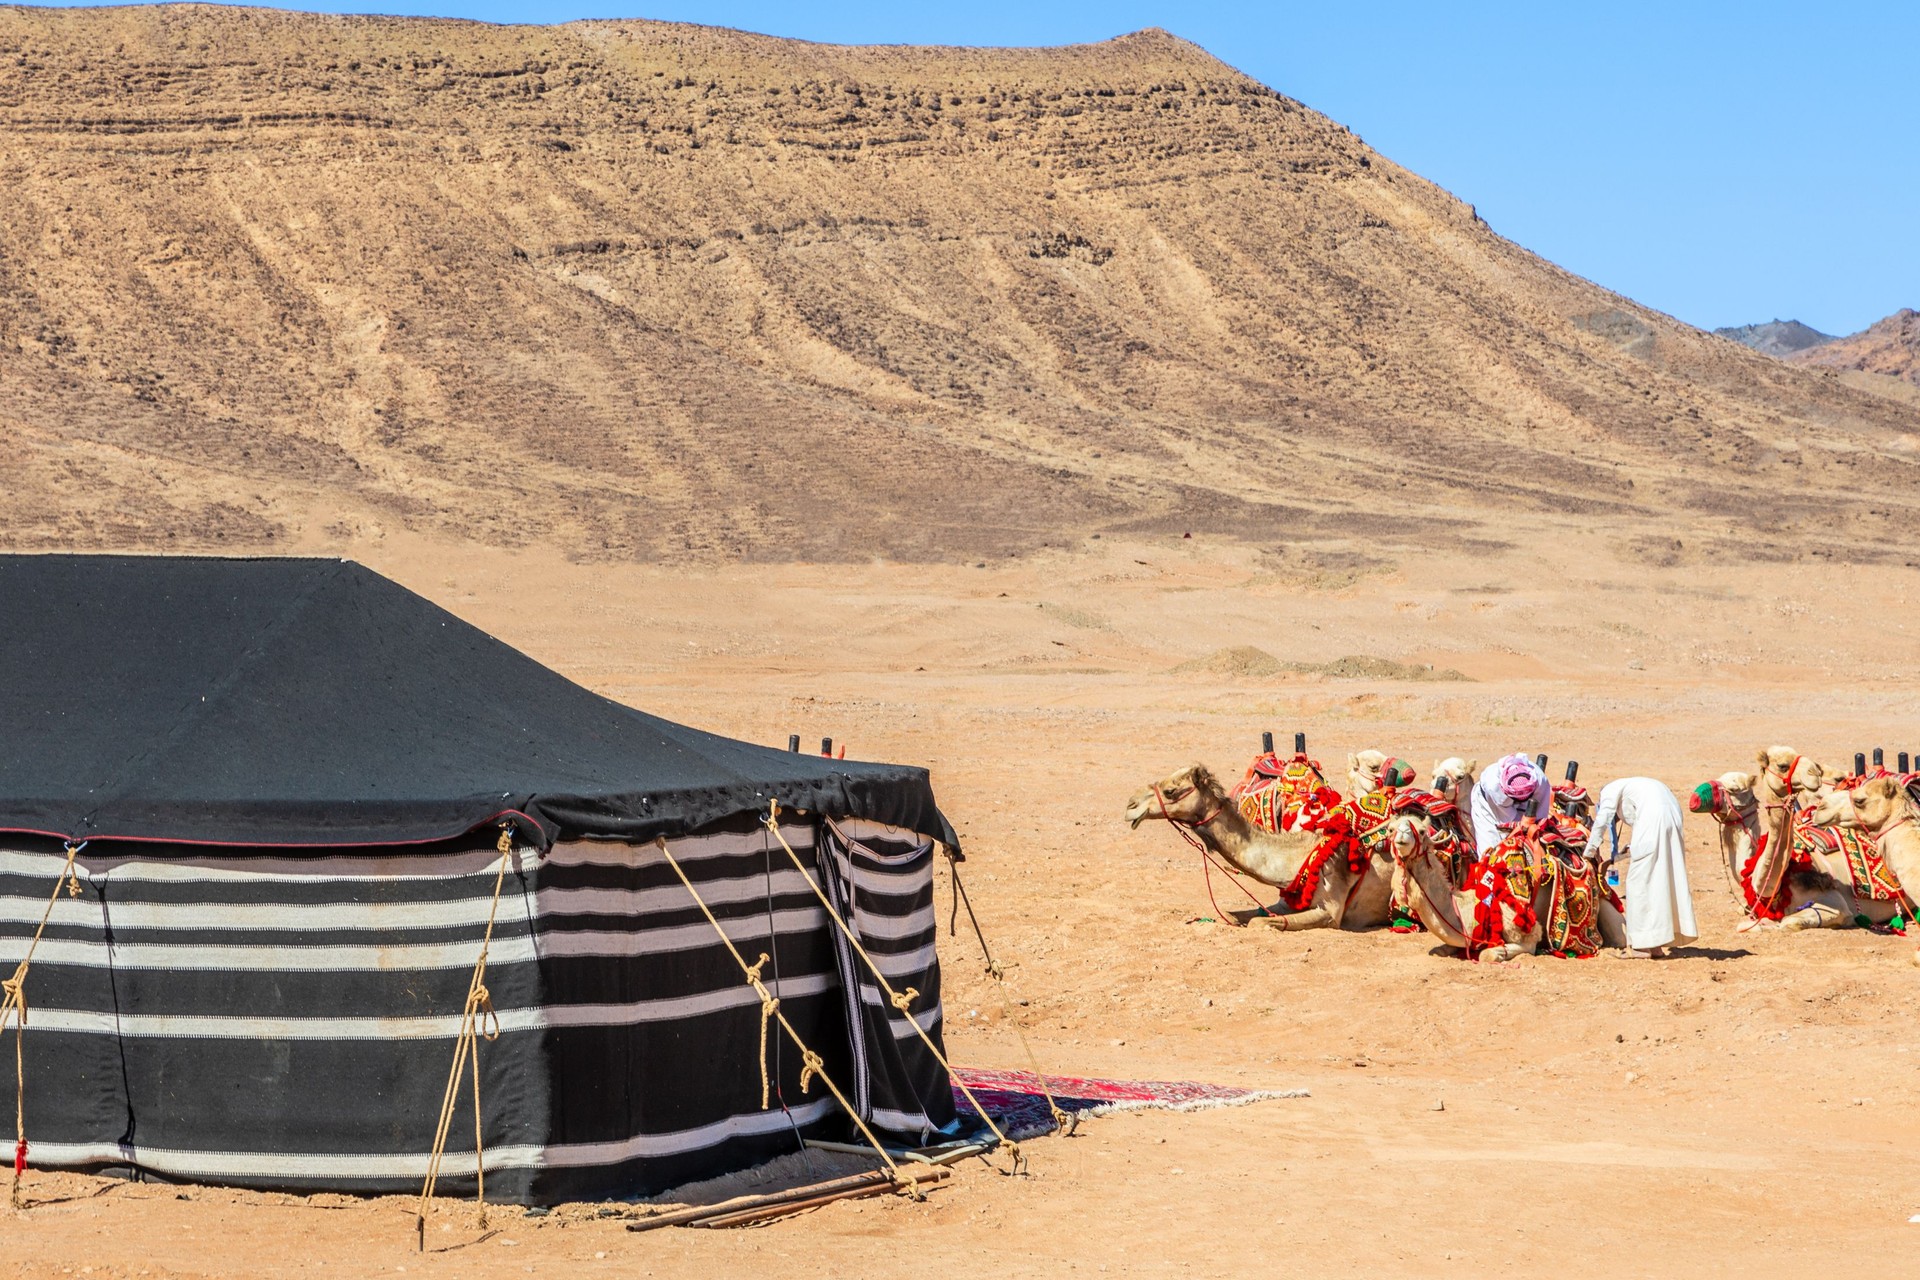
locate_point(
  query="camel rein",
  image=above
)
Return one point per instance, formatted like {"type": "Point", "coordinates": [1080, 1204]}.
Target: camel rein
{"type": "Point", "coordinates": [1207, 860]}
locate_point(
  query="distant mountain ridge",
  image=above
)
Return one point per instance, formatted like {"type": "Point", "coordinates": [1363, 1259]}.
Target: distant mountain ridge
{"type": "Point", "coordinates": [645, 291]}
{"type": "Point", "coordinates": [1890, 347]}
{"type": "Point", "coordinates": [1780, 338]}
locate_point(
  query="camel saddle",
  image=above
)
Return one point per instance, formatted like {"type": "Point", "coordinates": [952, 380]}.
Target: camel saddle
{"type": "Point", "coordinates": [1550, 853]}
{"type": "Point", "coordinates": [1276, 792]}
{"type": "Point", "coordinates": [1868, 873]}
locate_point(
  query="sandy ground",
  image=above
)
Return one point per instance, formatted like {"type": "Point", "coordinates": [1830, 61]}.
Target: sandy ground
{"type": "Point", "coordinates": [1679, 1118]}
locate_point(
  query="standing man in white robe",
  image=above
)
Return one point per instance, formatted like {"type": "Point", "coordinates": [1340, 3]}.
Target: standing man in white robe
{"type": "Point", "coordinates": [1512, 788]}
{"type": "Point", "coordinates": [1659, 903]}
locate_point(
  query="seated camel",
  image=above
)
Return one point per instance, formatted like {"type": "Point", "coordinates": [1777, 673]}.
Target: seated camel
{"type": "Point", "coordinates": [1536, 888]}
{"type": "Point", "coordinates": [1326, 880]}
{"type": "Point", "coordinates": [1816, 890]}
{"type": "Point", "coordinates": [1891, 813]}
{"type": "Point", "coordinates": [1368, 771]}
{"type": "Point", "coordinates": [1453, 779]}
{"type": "Point", "coordinates": [1811, 862]}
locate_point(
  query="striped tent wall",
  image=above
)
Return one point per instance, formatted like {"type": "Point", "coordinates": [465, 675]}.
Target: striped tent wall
{"type": "Point", "coordinates": [881, 882]}
{"type": "Point", "coordinates": [266, 1019]}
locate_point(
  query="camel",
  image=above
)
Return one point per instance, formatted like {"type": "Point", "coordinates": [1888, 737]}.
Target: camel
{"type": "Point", "coordinates": [1453, 779]}
{"type": "Point", "coordinates": [1447, 911]}
{"type": "Point", "coordinates": [1892, 816]}
{"type": "Point", "coordinates": [1368, 771]}
{"type": "Point", "coordinates": [1821, 897]}
{"type": "Point", "coordinates": [1194, 801]}
{"type": "Point", "coordinates": [1729, 801]}
{"type": "Point", "coordinates": [1833, 807]}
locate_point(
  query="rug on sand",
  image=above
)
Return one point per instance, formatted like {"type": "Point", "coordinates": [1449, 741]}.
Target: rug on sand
{"type": "Point", "coordinates": [1015, 1101]}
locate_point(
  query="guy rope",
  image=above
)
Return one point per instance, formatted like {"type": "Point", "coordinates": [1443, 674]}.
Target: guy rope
{"type": "Point", "coordinates": [478, 1008]}
{"type": "Point", "coordinates": [15, 1006]}
{"type": "Point", "coordinates": [812, 1063]}
{"type": "Point", "coordinates": [900, 1000]}
{"type": "Point", "coordinates": [1062, 1121]}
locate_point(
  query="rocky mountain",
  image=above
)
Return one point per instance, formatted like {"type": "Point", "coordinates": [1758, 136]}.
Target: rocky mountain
{"type": "Point", "coordinates": [1890, 347]}
{"type": "Point", "coordinates": [641, 290]}
{"type": "Point", "coordinates": [1776, 337]}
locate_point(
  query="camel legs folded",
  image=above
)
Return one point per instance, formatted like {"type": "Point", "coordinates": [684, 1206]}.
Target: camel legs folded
{"type": "Point", "coordinates": [1819, 914]}
{"type": "Point", "coordinates": [1311, 918]}
{"type": "Point", "coordinates": [1613, 925]}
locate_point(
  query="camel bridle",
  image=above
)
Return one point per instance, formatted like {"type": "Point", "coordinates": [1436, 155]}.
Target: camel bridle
{"type": "Point", "coordinates": [1423, 846]}
{"type": "Point", "coordinates": [1186, 826]}
{"type": "Point", "coordinates": [1786, 785]}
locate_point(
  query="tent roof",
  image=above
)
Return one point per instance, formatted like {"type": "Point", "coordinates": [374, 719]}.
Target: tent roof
{"type": "Point", "coordinates": [314, 702]}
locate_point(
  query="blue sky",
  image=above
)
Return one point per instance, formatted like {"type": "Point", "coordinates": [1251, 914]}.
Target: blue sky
{"type": "Point", "coordinates": [1723, 162]}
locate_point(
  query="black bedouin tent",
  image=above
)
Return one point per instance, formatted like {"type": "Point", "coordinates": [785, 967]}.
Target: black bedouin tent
{"type": "Point", "coordinates": [287, 780]}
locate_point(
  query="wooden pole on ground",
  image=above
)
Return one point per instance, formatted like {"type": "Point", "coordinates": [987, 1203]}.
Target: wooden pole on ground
{"type": "Point", "coordinates": [868, 1183]}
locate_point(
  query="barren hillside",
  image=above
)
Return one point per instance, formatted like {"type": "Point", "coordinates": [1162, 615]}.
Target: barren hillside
{"type": "Point", "coordinates": [1890, 347]}
{"type": "Point", "coordinates": [649, 291]}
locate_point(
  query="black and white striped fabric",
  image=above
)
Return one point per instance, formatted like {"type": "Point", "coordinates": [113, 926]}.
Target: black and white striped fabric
{"type": "Point", "coordinates": [881, 881]}
{"type": "Point", "coordinates": [268, 1019]}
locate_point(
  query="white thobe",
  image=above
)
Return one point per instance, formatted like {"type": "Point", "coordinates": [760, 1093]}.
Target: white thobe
{"type": "Point", "coordinates": [1659, 903]}
{"type": "Point", "coordinates": [1492, 808]}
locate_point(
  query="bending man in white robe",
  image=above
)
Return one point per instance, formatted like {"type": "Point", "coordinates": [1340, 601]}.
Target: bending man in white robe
{"type": "Point", "coordinates": [1659, 903]}
{"type": "Point", "coordinates": [1512, 788]}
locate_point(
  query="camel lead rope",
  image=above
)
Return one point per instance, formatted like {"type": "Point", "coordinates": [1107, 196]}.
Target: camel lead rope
{"type": "Point", "coordinates": [477, 1009]}
{"type": "Point", "coordinates": [14, 1006]}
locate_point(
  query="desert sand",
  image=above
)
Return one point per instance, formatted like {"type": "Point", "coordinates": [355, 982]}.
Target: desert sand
{"type": "Point", "coordinates": [1743, 1109]}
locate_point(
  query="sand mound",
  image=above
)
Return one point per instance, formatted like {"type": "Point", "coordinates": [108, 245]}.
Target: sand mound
{"type": "Point", "coordinates": [1248, 662]}
{"type": "Point", "coordinates": [1362, 666]}
{"type": "Point", "coordinates": [1239, 660]}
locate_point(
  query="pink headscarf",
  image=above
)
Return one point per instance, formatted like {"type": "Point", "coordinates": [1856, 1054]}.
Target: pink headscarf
{"type": "Point", "coordinates": [1518, 778]}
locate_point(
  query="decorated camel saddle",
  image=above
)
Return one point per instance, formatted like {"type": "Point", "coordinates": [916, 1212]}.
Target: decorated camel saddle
{"type": "Point", "coordinates": [1855, 849]}
{"type": "Point", "coordinates": [1573, 805]}
{"type": "Point", "coordinates": [1507, 885]}
{"type": "Point", "coordinates": [1277, 792]}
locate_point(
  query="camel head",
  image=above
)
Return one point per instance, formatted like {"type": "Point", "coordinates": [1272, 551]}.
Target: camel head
{"type": "Point", "coordinates": [1409, 838]}
{"type": "Point", "coordinates": [1879, 803]}
{"type": "Point", "coordinates": [1834, 808]}
{"type": "Point", "coordinates": [1453, 778]}
{"type": "Point", "coordinates": [1368, 771]}
{"type": "Point", "coordinates": [1783, 770]}
{"type": "Point", "coordinates": [1191, 795]}
{"type": "Point", "coordinates": [1729, 794]}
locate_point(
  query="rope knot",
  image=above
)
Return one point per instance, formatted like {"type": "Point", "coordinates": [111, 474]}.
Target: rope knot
{"type": "Point", "coordinates": [480, 1006]}
{"type": "Point", "coordinates": [16, 994]}
{"type": "Point", "coordinates": [903, 1000]}
{"type": "Point", "coordinates": [769, 1006]}
{"type": "Point", "coordinates": [811, 1065]}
